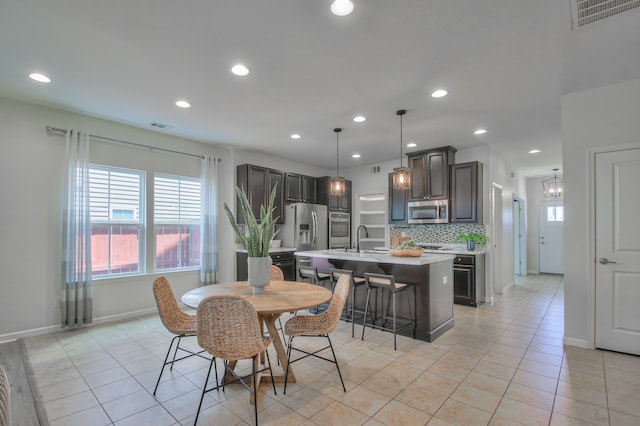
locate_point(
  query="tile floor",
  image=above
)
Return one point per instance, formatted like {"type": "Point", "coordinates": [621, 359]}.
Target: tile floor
{"type": "Point", "coordinates": [502, 364]}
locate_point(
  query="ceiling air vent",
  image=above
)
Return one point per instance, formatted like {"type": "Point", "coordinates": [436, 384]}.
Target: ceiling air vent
{"type": "Point", "coordinates": [584, 12]}
{"type": "Point", "coordinates": [160, 125]}
{"type": "Point", "coordinates": [375, 169]}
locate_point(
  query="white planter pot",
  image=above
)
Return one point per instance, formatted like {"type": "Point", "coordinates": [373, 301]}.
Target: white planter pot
{"type": "Point", "coordinates": [259, 273]}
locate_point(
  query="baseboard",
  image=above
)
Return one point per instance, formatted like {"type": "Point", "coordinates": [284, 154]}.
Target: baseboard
{"type": "Point", "coordinates": [580, 343]}
{"type": "Point", "coordinates": [38, 402]}
{"type": "Point", "coordinates": [533, 271]}
{"type": "Point", "coordinates": [508, 288]}
{"type": "Point", "coordinates": [488, 300]}
{"type": "Point", "coordinates": [10, 337]}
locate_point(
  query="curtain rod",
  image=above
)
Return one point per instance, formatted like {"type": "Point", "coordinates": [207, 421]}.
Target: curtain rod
{"type": "Point", "coordinates": [51, 129]}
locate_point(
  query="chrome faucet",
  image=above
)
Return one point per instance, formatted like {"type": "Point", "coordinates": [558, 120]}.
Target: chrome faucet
{"type": "Point", "coordinates": [366, 235]}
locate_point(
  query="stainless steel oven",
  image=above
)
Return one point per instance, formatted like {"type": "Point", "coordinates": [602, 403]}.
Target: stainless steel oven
{"type": "Point", "coordinates": [425, 212]}
{"type": "Point", "coordinates": [339, 230]}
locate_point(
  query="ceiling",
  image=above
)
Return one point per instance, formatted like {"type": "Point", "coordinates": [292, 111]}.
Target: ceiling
{"type": "Point", "coordinates": [311, 71]}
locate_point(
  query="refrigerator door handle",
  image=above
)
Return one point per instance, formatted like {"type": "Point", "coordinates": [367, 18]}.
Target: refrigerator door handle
{"type": "Point", "coordinates": [314, 217]}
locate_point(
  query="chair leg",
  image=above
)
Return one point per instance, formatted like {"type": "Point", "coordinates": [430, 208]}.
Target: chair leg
{"type": "Point", "coordinates": [364, 317]}
{"type": "Point", "coordinates": [175, 353]}
{"type": "Point", "coordinates": [336, 361]}
{"type": "Point", "coordinates": [165, 363]}
{"type": "Point", "coordinates": [393, 296]}
{"type": "Point", "coordinates": [204, 390]}
{"type": "Point", "coordinates": [353, 304]}
{"type": "Point", "coordinates": [271, 373]}
{"type": "Point", "coordinates": [255, 388]}
{"type": "Point", "coordinates": [286, 373]}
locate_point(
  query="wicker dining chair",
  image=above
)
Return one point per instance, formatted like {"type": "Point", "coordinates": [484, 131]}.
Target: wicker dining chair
{"type": "Point", "coordinates": [5, 399]}
{"type": "Point", "coordinates": [278, 275]}
{"type": "Point", "coordinates": [176, 321]}
{"type": "Point", "coordinates": [229, 328]}
{"type": "Point", "coordinates": [318, 326]}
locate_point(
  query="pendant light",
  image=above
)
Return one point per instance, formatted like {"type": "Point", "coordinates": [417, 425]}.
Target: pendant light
{"type": "Point", "coordinates": [401, 175]}
{"type": "Point", "coordinates": [337, 183]}
{"type": "Point", "coordinates": [553, 187]}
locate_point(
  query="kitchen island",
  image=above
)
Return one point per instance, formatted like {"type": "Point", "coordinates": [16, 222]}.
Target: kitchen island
{"type": "Point", "coordinates": [431, 274]}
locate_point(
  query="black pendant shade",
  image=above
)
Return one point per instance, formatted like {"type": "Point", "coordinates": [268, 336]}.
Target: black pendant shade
{"type": "Point", "coordinates": [337, 182]}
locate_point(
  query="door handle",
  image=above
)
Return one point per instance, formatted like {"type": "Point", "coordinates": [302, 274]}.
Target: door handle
{"type": "Point", "coordinates": [604, 261]}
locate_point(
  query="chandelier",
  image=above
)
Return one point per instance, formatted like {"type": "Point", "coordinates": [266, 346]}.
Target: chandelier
{"type": "Point", "coordinates": [553, 187]}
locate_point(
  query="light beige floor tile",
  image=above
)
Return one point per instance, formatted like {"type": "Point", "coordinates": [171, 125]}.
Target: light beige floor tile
{"type": "Point", "coordinates": [277, 414]}
{"type": "Point", "coordinates": [105, 377]}
{"type": "Point", "coordinates": [458, 413]}
{"type": "Point", "coordinates": [477, 398]}
{"type": "Point", "coordinates": [508, 350]}
{"type": "Point", "coordinates": [94, 416]}
{"type": "Point", "coordinates": [397, 413]}
{"type": "Point", "coordinates": [421, 399]}
{"type": "Point", "coordinates": [63, 389]}
{"type": "Point", "coordinates": [402, 373]}
{"type": "Point", "coordinates": [522, 413]}
{"type": "Point", "coordinates": [306, 401]}
{"type": "Point", "coordinates": [339, 414]}
{"type": "Point", "coordinates": [495, 370]}
{"type": "Point", "coordinates": [623, 375]}
{"type": "Point", "coordinates": [384, 384]}
{"type": "Point", "coordinates": [628, 404]}
{"type": "Point", "coordinates": [591, 367]}
{"type": "Point", "coordinates": [485, 382]}
{"type": "Point", "coordinates": [215, 415]}
{"type": "Point", "coordinates": [186, 405]}
{"type": "Point", "coordinates": [156, 416]}
{"type": "Point", "coordinates": [530, 396]}
{"type": "Point", "coordinates": [436, 383]}
{"type": "Point", "coordinates": [126, 406]}
{"type": "Point", "coordinates": [543, 358]}
{"type": "Point", "coordinates": [174, 388]}
{"type": "Point", "coordinates": [582, 378]}
{"type": "Point", "coordinates": [69, 405]}
{"type": "Point", "coordinates": [621, 361]}
{"type": "Point", "coordinates": [117, 390]}
{"type": "Point", "coordinates": [582, 393]}
{"type": "Point", "coordinates": [621, 419]}
{"type": "Point", "coordinates": [540, 368]}
{"type": "Point", "coordinates": [459, 360]}
{"type": "Point", "coordinates": [581, 410]}
{"type": "Point", "coordinates": [621, 388]}
{"type": "Point", "coordinates": [558, 419]}
{"type": "Point", "coordinates": [503, 421]}
{"type": "Point", "coordinates": [364, 400]}
{"type": "Point", "coordinates": [502, 359]}
{"type": "Point", "coordinates": [448, 370]}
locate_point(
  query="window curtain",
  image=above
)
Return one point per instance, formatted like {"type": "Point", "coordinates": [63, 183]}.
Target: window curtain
{"type": "Point", "coordinates": [77, 292]}
{"type": "Point", "coordinates": [209, 213]}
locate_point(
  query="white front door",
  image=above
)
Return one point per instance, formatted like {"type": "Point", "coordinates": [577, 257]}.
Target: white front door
{"type": "Point", "coordinates": [617, 245]}
{"type": "Point", "coordinates": [551, 238]}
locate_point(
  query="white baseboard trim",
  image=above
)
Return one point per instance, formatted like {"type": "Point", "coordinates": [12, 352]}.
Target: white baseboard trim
{"type": "Point", "coordinates": [488, 300]}
{"type": "Point", "coordinates": [533, 271]}
{"type": "Point", "coordinates": [10, 337]}
{"type": "Point", "coordinates": [580, 343]}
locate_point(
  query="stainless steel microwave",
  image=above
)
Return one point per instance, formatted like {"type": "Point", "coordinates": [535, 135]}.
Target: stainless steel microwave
{"type": "Point", "coordinates": [425, 212]}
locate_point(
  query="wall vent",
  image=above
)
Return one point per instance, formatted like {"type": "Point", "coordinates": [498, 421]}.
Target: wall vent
{"type": "Point", "coordinates": [375, 169]}
{"type": "Point", "coordinates": [160, 125]}
{"type": "Point", "coordinates": [584, 12]}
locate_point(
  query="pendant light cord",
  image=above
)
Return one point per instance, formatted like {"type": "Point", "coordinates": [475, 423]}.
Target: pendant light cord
{"type": "Point", "coordinates": [401, 112]}
{"type": "Point", "coordinates": [337, 130]}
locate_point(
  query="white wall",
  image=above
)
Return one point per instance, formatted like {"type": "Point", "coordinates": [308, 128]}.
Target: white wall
{"type": "Point", "coordinates": [601, 117]}
{"type": "Point", "coordinates": [32, 172]}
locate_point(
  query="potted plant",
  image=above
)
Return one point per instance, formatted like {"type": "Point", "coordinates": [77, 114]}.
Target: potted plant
{"type": "Point", "coordinates": [471, 239]}
{"type": "Point", "coordinates": [258, 238]}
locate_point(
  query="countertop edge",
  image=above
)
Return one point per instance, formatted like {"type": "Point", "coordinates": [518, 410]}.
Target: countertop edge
{"type": "Point", "coordinates": [379, 258]}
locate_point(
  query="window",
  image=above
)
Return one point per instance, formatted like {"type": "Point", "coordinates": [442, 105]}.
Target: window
{"type": "Point", "coordinates": [555, 214]}
{"type": "Point", "coordinates": [117, 225]}
{"type": "Point", "coordinates": [176, 217]}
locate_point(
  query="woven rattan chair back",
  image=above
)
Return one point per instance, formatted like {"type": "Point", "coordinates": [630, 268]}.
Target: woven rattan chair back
{"type": "Point", "coordinates": [276, 273]}
{"type": "Point", "coordinates": [171, 315]}
{"type": "Point", "coordinates": [5, 400]}
{"type": "Point", "coordinates": [340, 294]}
{"type": "Point", "coordinates": [228, 328]}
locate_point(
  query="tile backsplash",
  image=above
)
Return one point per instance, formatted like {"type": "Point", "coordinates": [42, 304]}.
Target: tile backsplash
{"type": "Point", "coordinates": [441, 233]}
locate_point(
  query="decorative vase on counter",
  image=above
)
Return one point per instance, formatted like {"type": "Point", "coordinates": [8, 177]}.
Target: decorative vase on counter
{"type": "Point", "coordinates": [471, 245]}
{"type": "Point", "coordinates": [259, 273]}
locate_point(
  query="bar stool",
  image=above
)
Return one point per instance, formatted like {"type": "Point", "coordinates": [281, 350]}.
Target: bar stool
{"type": "Point", "coordinates": [355, 282]}
{"type": "Point", "coordinates": [387, 282]}
{"type": "Point", "coordinates": [319, 278]}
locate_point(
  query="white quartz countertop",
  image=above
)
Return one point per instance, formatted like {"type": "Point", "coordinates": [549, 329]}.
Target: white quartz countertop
{"type": "Point", "coordinates": [377, 257]}
{"type": "Point", "coordinates": [271, 250]}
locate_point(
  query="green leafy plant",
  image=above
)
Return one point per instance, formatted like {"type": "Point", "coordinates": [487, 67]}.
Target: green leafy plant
{"type": "Point", "coordinates": [464, 237]}
{"type": "Point", "coordinates": [407, 245]}
{"type": "Point", "coordinates": [260, 234]}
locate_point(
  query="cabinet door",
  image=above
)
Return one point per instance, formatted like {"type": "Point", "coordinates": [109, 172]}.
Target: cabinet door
{"type": "Point", "coordinates": [273, 177]}
{"type": "Point", "coordinates": [344, 201]}
{"type": "Point", "coordinates": [256, 187]}
{"type": "Point", "coordinates": [418, 189]}
{"type": "Point", "coordinates": [463, 285]}
{"type": "Point", "coordinates": [465, 188]}
{"type": "Point", "coordinates": [437, 169]}
{"type": "Point", "coordinates": [308, 189]}
{"type": "Point", "coordinates": [397, 203]}
{"type": "Point", "coordinates": [293, 191]}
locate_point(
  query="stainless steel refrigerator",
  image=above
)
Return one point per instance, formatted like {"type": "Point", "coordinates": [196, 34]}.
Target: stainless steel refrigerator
{"type": "Point", "coordinates": [305, 227]}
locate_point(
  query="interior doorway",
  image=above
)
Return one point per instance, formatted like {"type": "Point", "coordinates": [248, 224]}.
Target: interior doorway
{"type": "Point", "coordinates": [496, 281]}
{"type": "Point", "coordinates": [551, 237]}
{"type": "Point", "coordinates": [519, 237]}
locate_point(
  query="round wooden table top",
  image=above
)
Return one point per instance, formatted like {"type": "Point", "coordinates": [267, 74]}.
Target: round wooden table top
{"type": "Point", "coordinates": [279, 296]}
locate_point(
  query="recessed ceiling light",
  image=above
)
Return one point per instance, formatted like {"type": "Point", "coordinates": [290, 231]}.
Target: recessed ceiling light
{"type": "Point", "coordinates": [40, 77]}
{"type": "Point", "coordinates": [355, 156]}
{"type": "Point", "coordinates": [183, 104]}
{"type": "Point", "coordinates": [439, 93]}
{"type": "Point", "coordinates": [240, 70]}
{"type": "Point", "coordinates": [341, 7]}
{"type": "Point", "coordinates": [480, 132]}
{"type": "Point", "coordinates": [412, 145]}
{"type": "Point", "coordinates": [359, 118]}
{"type": "Point", "coordinates": [534, 151]}
{"type": "Point", "coordinates": [295, 136]}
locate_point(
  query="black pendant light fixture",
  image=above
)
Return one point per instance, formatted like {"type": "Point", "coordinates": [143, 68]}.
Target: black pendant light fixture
{"type": "Point", "coordinates": [337, 183]}
{"type": "Point", "coordinates": [553, 187]}
{"type": "Point", "coordinates": [401, 175]}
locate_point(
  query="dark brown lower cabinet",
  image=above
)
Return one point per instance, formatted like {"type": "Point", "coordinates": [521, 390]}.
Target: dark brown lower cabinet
{"type": "Point", "coordinates": [283, 260]}
{"type": "Point", "coordinates": [468, 279]}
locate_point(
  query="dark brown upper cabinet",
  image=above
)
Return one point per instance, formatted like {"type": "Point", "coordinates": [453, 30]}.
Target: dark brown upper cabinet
{"type": "Point", "coordinates": [258, 182]}
{"type": "Point", "coordinates": [300, 188]}
{"type": "Point", "coordinates": [466, 192]}
{"type": "Point", "coordinates": [430, 173]}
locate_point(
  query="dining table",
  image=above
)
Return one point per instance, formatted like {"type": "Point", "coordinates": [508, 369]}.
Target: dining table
{"type": "Point", "coordinates": [279, 297]}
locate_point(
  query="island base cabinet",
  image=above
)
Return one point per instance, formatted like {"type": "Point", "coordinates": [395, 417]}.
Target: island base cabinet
{"type": "Point", "coordinates": [433, 302]}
